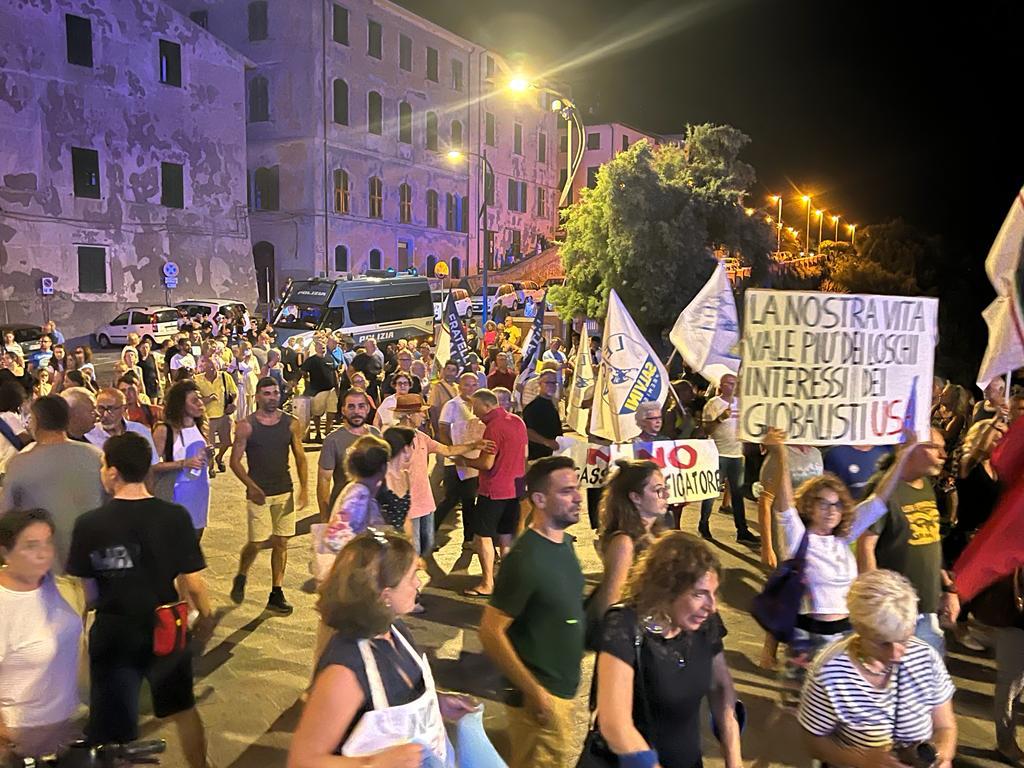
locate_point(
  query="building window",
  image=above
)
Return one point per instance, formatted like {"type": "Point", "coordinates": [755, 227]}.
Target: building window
{"type": "Point", "coordinates": [542, 201]}
{"type": "Point", "coordinates": [85, 170]}
{"type": "Point", "coordinates": [449, 212]}
{"type": "Point", "coordinates": [456, 134]}
{"type": "Point", "coordinates": [340, 102]}
{"type": "Point", "coordinates": [259, 100]}
{"type": "Point", "coordinates": [432, 131]}
{"type": "Point", "coordinates": [170, 63]}
{"type": "Point", "coordinates": [342, 192]}
{"type": "Point", "coordinates": [374, 117]}
{"type": "Point", "coordinates": [375, 259]}
{"type": "Point", "coordinates": [257, 20]}
{"type": "Point", "coordinates": [456, 269]}
{"type": "Point", "coordinates": [374, 39]}
{"type": "Point", "coordinates": [542, 148]}
{"type": "Point", "coordinates": [92, 269]}
{"type": "Point", "coordinates": [79, 32]}
{"type": "Point", "coordinates": [432, 65]}
{"type": "Point", "coordinates": [490, 66]}
{"type": "Point", "coordinates": [593, 141]}
{"type": "Point", "coordinates": [463, 203]}
{"type": "Point", "coordinates": [376, 198]}
{"type": "Point", "coordinates": [625, 143]}
{"type": "Point", "coordinates": [517, 195]}
{"type": "Point", "coordinates": [339, 32]}
{"type": "Point", "coordinates": [488, 186]}
{"type": "Point", "coordinates": [431, 264]}
{"type": "Point", "coordinates": [490, 130]}
{"type": "Point", "coordinates": [431, 208]}
{"type": "Point", "coordinates": [456, 74]}
{"type": "Point", "coordinates": [405, 204]}
{"type": "Point", "coordinates": [405, 123]}
{"type": "Point", "coordinates": [265, 189]}
{"type": "Point", "coordinates": [516, 242]}
{"type": "Point", "coordinates": [341, 258]}
{"type": "Point", "coordinates": [592, 176]}
{"type": "Point", "coordinates": [517, 139]}
{"type": "Point", "coordinates": [405, 53]}
{"type": "Point", "coordinates": [200, 18]}
{"type": "Point", "coordinates": [172, 185]}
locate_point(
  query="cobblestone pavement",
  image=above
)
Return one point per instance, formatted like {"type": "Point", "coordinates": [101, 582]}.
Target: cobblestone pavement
{"type": "Point", "coordinates": [257, 665]}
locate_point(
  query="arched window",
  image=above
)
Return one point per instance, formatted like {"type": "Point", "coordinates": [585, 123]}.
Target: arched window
{"type": "Point", "coordinates": [341, 258]}
{"type": "Point", "coordinates": [431, 263]}
{"type": "Point", "coordinates": [265, 189]}
{"type": "Point", "coordinates": [432, 131]}
{"type": "Point", "coordinates": [456, 134]}
{"type": "Point", "coordinates": [449, 212]}
{"type": "Point", "coordinates": [342, 192]}
{"type": "Point", "coordinates": [456, 267]}
{"type": "Point", "coordinates": [376, 198]}
{"type": "Point", "coordinates": [405, 123]}
{"type": "Point", "coordinates": [374, 113]}
{"type": "Point", "coordinates": [405, 203]}
{"type": "Point", "coordinates": [340, 102]}
{"type": "Point", "coordinates": [259, 100]}
{"type": "Point", "coordinates": [375, 259]}
{"type": "Point", "coordinates": [431, 208]}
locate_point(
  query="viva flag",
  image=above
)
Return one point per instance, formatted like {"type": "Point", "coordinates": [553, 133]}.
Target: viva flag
{"type": "Point", "coordinates": [707, 330]}
{"type": "Point", "coordinates": [578, 413]}
{"type": "Point", "coordinates": [532, 349]}
{"type": "Point", "coordinates": [630, 373]}
{"type": "Point", "coordinates": [1005, 315]}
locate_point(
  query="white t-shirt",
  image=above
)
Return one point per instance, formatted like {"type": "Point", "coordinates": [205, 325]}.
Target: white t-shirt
{"type": "Point", "coordinates": [39, 648]}
{"type": "Point", "coordinates": [183, 361]}
{"type": "Point", "coordinates": [386, 412]}
{"type": "Point", "coordinates": [457, 414]}
{"type": "Point", "coordinates": [97, 436]}
{"type": "Point", "coordinates": [7, 450]}
{"type": "Point", "coordinates": [724, 433]}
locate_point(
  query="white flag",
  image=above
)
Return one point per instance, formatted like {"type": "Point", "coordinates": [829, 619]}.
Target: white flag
{"type": "Point", "coordinates": [707, 330]}
{"type": "Point", "coordinates": [630, 373]}
{"type": "Point", "coordinates": [1005, 351]}
{"type": "Point", "coordinates": [442, 350]}
{"type": "Point", "coordinates": [582, 385]}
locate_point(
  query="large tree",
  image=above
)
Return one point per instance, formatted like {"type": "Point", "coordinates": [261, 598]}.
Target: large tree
{"type": "Point", "coordinates": [650, 227]}
{"type": "Point", "coordinates": [893, 258]}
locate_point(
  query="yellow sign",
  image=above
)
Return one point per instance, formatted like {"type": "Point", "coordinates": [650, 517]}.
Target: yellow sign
{"type": "Point", "coordinates": [441, 269]}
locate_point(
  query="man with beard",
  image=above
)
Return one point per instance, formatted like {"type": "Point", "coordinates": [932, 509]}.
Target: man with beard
{"type": "Point", "coordinates": [533, 628]}
{"type": "Point", "coordinates": [331, 478]}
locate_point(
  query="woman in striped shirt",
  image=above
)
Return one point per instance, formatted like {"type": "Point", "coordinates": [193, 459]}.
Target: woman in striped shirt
{"type": "Point", "coordinates": [880, 690]}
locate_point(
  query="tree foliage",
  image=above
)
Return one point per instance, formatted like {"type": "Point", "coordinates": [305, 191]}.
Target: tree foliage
{"type": "Point", "coordinates": [650, 227]}
{"type": "Point", "coordinates": [893, 258]}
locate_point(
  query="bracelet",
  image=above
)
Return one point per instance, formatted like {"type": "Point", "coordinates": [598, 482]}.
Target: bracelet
{"type": "Point", "coordinates": [646, 759]}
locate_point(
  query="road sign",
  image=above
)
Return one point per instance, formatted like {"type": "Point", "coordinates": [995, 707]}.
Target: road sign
{"type": "Point", "coordinates": [171, 270]}
{"type": "Point", "coordinates": [46, 286]}
{"type": "Point", "coordinates": [441, 269]}
{"type": "Point", "coordinates": [170, 282]}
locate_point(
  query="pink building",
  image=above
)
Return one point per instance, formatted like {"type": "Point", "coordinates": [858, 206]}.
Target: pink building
{"type": "Point", "coordinates": [352, 107]}
{"type": "Point", "coordinates": [603, 142]}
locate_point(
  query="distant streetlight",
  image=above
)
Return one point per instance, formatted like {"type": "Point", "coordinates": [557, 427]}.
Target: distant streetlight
{"type": "Point", "coordinates": [835, 221]}
{"type": "Point", "coordinates": [807, 232]}
{"type": "Point", "coordinates": [778, 199]}
{"type": "Point", "coordinates": [518, 84]}
{"type": "Point", "coordinates": [749, 211]}
{"type": "Point", "coordinates": [457, 156]}
{"type": "Point", "coordinates": [852, 229]}
{"type": "Point", "coordinates": [821, 218]}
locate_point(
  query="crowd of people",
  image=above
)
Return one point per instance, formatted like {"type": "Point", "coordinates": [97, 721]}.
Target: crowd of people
{"type": "Point", "coordinates": [106, 495]}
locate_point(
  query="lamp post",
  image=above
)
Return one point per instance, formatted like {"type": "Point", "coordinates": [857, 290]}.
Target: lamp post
{"type": "Point", "coordinates": [456, 155]}
{"type": "Point", "coordinates": [852, 229]}
{"type": "Point", "coordinates": [807, 232]}
{"type": "Point", "coordinates": [778, 226]}
{"type": "Point", "coordinates": [835, 221]}
{"type": "Point", "coordinates": [821, 218]}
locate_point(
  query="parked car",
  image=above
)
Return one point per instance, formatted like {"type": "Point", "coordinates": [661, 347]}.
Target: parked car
{"type": "Point", "coordinates": [463, 304]}
{"type": "Point", "coordinates": [478, 302]}
{"type": "Point", "coordinates": [155, 324]}
{"type": "Point", "coordinates": [25, 334]}
{"type": "Point", "coordinates": [513, 296]}
{"type": "Point", "coordinates": [211, 307]}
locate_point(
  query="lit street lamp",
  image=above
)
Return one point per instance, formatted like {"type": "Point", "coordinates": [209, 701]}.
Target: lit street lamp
{"type": "Point", "coordinates": [852, 229]}
{"type": "Point", "coordinates": [778, 199]}
{"type": "Point", "coordinates": [821, 218]}
{"type": "Point", "coordinates": [807, 232]}
{"type": "Point", "coordinates": [455, 156]}
{"type": "Point", "coordinates": [835, 221]}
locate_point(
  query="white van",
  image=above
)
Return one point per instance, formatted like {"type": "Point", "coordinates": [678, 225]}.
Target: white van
{"type": "Point", "coordinates": [384, 306]}
{"type": "Point", "coordinates": [153, 324]}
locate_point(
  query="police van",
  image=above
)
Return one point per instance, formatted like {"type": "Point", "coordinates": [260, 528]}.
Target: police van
{"type": "Point", "coordinates": [381, 304]}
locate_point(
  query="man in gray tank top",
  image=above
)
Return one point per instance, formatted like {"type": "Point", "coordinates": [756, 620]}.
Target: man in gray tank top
{"type": "Point", "coordinates": [265, 438]}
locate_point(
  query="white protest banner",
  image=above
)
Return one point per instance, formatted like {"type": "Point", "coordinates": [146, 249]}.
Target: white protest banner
{"type": "Point", "coordinates": [690, 467]}
{"type": "Point", "coordinates": [836, 369]}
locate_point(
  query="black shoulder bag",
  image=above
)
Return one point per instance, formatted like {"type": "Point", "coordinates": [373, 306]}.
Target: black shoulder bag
{"type": "Point", "coordinates": [596, 752]}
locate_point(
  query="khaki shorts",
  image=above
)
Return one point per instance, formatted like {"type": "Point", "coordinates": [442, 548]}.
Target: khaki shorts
{"type": "Point", "coordinates": [220, 430]}
{"type": "Point", "coordinates": [534, 744]}
{"type": "Point", "coordinates": [275, 517]}
{"type": "Point", "coordinates": [324, 402]}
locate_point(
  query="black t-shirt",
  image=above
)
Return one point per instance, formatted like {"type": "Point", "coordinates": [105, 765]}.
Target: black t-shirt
{"type": "Point", "coordinates": [321, 376]}
{"type": "Point", "coordinates": [541, 415]}
{"type": "Point", "coordinates": [392, 661]}
{"type": "Point", "coordinates": [134, 550]}
{"type": "Point", "coordinates": [150, 378]}
{"type": "Point", "coordinates": [676, 677]}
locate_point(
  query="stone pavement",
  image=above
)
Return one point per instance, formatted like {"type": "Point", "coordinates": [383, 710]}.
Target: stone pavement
{"type": "Point", "coordinates": [257, 665]}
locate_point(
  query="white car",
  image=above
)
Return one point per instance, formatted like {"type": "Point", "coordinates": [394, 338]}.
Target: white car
{"type": "Point", "coordinates": [514, 296]}
{"type": "Point", "coordinates": [463, 304]}
{"type": "Point", "coordinates": [154, 324]}
{"type": "Point", "coordinates": [210, 307]}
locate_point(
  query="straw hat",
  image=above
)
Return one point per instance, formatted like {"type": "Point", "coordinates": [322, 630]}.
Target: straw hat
{"type": "Point", "coordinates": [409, 404]}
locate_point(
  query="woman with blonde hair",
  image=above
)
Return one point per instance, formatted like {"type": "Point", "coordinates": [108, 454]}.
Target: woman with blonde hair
{"type": "Point", "coordinates": [659, 656]}
{"type": "Point", "coordinates": [880, 696]}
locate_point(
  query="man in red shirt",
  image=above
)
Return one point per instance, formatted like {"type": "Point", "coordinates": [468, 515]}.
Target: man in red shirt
{"type": "Point", "coordinates": [501, 376]}
{"type": "Point", "coordinates": [497, 505]}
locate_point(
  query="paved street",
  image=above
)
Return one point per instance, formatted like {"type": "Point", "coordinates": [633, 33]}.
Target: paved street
{"type": "Point", "coordinates": [257, 665]}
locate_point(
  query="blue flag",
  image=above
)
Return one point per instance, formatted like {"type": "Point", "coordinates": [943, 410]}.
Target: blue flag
{"type": "Point", "coordinates": [459, 351]}
{"type": "Point", "coordinates": [533, 346]}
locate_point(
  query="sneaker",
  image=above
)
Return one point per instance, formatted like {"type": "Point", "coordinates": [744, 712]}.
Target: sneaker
{"type": "Point", "coordinates": [212, 472]}
{"type": "Point", "coordinates": [220, 465]}
{"type": "Point", "coordinates": [746, 537]}
{"type": "Point", "coordinates": [277, 604]}
{"type": "Point", "coordinates": [238, 589]}
{"type": "Point", "coordinates": [966, 638]}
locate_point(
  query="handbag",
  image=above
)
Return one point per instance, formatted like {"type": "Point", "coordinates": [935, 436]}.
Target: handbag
{"type": "Point", "coordinates": [777, 606]}
{"type": "Point", "coordinates": [170, 629]}
{"type": "Point", "coordinates": [596, 752]}
{"type": "Point", "coordinates": [229, 400]}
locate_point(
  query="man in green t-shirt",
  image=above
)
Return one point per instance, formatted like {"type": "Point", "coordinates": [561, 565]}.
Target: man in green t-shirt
{"type": "Point", "coordinates": [533, 628]}
{"type": "Point", "coordinates": [906, 540]}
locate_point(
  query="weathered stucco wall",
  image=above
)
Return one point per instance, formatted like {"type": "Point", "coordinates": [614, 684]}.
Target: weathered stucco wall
{"type": "Point", "coordinates": [120, 108]}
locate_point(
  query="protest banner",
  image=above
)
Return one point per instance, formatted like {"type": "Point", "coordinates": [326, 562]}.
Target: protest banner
{"type": "Point", "coordinates": [836, 369]}
{"type": "Point", "coordinates": [690, 467]}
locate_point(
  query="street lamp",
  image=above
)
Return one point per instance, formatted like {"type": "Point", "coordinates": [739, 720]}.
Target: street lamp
{"type": "Point", "coordinates": [835, 221]}
{"type": "Point", "coordinates": [455, 156]}
{"type": "Point", "coordinates": [778, 199]}
{"type": "Point", "coordinates": [807, 233]}
{"type": "Point", "coordinates": [852, 229]}
{"type": "Point", "coordinates": [821, 218]}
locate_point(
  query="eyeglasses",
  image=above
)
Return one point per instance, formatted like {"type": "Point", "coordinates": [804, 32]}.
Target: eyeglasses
{"type": "Point", "coordinates": [101, 409]}
{"type": "Point", "coordinates": [661, 490]}
{"type": "Point", "coordinates": [826, 506]}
